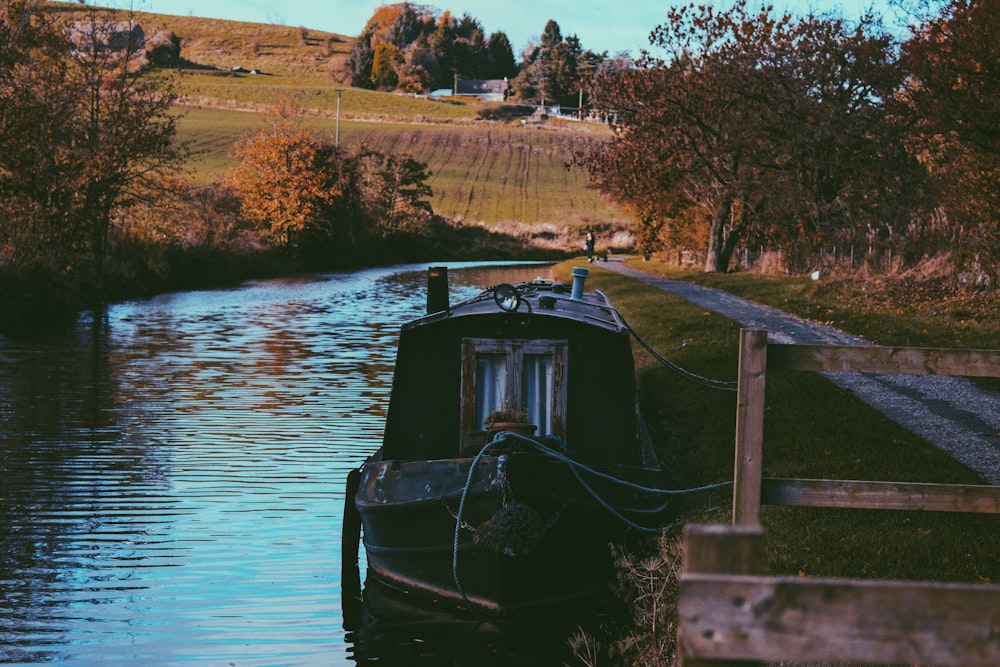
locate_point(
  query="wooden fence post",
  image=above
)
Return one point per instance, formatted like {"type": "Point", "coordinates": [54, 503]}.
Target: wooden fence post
{"type": "Point", "coordinates": [728, 614]}
{"type": "Point", "coordinates": [749, 427]}
{"type": "Point", "coordinates": [717, 549]}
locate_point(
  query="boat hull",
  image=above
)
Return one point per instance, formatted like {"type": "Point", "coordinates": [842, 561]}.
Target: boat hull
{"type": "Point", "coordinates": [529, 536]}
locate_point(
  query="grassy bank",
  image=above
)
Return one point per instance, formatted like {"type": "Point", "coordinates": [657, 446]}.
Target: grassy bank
{"type": "Point", "coordinates": [910, 309]}
{"type": "Point", "coordinates": [812, 429]}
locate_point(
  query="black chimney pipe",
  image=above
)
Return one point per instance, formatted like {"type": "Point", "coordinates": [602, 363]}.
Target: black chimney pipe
{"type": "Point", "coordinates": [437, 289]}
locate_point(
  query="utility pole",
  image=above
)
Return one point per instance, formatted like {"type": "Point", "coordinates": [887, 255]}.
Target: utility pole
{"type": "Point", "coordinates": [336, 139]}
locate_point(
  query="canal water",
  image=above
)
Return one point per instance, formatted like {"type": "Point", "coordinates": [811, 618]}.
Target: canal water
{"type": "Point", "coordinates": [172, 479]}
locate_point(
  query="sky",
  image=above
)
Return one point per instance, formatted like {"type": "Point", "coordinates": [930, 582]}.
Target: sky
{"type": "Point", "coordinates": [601, 25]}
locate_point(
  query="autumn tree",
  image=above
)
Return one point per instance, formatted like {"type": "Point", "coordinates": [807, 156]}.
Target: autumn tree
{"type": "Point", "coordinates": [757, 127]}
{"type": "Point", "coordinates": [288, 177]}
{"type": "Point", "coordinates": [393, 29]}
{"type": "Point", "coordinates": [83, 136]}
{"type": "Point", "coordinates": [311, 195]}
{"type": "Point", "coordinates": [394, 190]}
{"type": "Point", "coordinates": [954, 92]}
{"type": "Point", "coordinates": [431, 49]}
{"type": "Point", "coordinates": [128, 128]}
{"type": "Point", "coordinates": [34, 141]}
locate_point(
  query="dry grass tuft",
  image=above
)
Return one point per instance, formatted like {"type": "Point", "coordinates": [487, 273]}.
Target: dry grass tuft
{"type": "Point", "coordinates": [648, 582]}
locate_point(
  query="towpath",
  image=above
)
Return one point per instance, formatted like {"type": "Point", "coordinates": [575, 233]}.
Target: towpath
{"type": "Point", "coordinates": [950, 412]}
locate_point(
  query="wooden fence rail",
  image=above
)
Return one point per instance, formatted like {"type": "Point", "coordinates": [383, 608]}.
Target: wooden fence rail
{"type": "Point", "coordinates": [729, 615]}
{"type": "Point", "coordinates": [757, 356]}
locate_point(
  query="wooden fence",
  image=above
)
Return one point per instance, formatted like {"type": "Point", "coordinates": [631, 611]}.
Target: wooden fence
{"type": "Point", "coordinates": [729, 615]}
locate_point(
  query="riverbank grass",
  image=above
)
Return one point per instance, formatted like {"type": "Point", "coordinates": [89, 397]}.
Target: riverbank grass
{"type": "Point", "coordinates": [906, 310]}
{"type": "Point", "coordinates": [812, 429]}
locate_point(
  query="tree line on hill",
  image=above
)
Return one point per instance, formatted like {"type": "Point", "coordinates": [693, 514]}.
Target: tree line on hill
{"type": "Point", "coordinates": [800, 134]}
{"type": "Point", "coordinates": [412, 48]}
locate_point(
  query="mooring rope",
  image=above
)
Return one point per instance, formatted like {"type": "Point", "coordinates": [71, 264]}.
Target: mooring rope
{"type": "Point", "coordinates": [458, 518]}
{"type": "Point", "coordinates": [575, 467]}
{"type": "Point", "coordinates": [721, 385]}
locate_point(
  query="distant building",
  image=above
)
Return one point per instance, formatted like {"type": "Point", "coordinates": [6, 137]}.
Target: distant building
{"type": "Point", "coordinates": [116, 37]}
{"type": "Point", "coordinates": [488, 90]}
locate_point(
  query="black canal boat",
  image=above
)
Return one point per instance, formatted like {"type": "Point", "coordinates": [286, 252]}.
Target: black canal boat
{"type": "Point", "coordinates": [489, 518]}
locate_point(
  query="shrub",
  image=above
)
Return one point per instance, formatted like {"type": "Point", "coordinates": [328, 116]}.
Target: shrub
{"type": "Point", "coordinates": [163, 48]}
{"type": "Point", "coordinates": [503, 111]}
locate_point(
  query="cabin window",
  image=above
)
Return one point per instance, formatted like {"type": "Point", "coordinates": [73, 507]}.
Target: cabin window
{"type": "Point", "coordinates": [526, 373]}
{"type": "Point", "coordinates": [537, 389]}
{"type": "Point", "coordinates": [491, 382]}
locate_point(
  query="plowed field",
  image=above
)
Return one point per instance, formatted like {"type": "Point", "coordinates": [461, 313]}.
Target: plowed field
{"type": "Point", "coordinates": [491, 172]}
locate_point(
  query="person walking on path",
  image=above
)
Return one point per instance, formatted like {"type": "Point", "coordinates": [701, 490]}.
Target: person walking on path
{"type": "Point", "coordinates": [951, 413]}
{"type": "Point", "coordinates": [590, 246]}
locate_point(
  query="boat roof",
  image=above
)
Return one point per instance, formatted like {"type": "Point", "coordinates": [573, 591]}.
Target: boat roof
{"type": "Point", "coordinates": [536, 298]}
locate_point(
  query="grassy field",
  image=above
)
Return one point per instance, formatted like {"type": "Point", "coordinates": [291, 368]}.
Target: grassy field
{"type": "Point", "coordinates": [888, 310]}
{"type": "Point", "coordinates": [492, 173]}
{"type": "Point", "coordinates": [283, 51]}
{"type": "Point", "coordinates": [252, 91]}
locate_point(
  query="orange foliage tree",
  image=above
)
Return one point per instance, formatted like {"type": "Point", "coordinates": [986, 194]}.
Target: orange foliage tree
{"type": "Point", "coordinates": [288, 178]}
{"type": "Point", "coordinates": [83, 136]}
{"type": "Point", "coordinates": [298, 186]}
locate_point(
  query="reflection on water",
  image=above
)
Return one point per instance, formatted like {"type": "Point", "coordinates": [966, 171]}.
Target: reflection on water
{"type": "Point", "coordinates": [173, 475]}
{"type": "Point", "coordinates": [395, 631]}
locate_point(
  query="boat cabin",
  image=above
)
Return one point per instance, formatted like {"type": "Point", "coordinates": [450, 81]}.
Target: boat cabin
{"type": "Point", "coordinates": [563, 357]}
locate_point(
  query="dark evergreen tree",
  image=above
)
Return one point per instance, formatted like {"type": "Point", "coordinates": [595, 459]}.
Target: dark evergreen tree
{"type": "Point", "coordinates": [501, 57]}
{"type": "Point", "coordinates": [442, 47]}
{"type": "Point", "coordinates": [551, 36]}
{"type": "Point", "coordinates": [408, 26]}
{"type": "Point", "coordinates": [549, 73]}
{"type": "Point", "coordinates": [360, 60]}
{"type": "Point", "coordinates": [471, 58]}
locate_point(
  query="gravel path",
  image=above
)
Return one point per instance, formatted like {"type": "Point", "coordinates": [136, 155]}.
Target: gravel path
{"type": "Point", "coordinates": [950, 412]}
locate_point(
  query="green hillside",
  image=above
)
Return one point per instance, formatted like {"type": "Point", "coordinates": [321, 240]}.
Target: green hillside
{"type": "Point", "coordinates": [487, 171]}
{"type": "Point", "coordinates": [212, 44]}
{"type": "Point", "coordinates": [481, 172]}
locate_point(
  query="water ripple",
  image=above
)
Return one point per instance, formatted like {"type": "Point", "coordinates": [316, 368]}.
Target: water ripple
{"type": "Point", "coordinates": [174, 468]}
